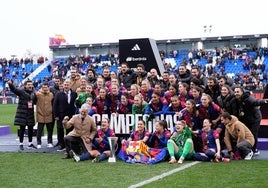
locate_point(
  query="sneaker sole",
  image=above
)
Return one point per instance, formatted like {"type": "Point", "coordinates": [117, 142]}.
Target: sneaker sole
{"type": "Point", "coordinates": [61, 149]}
{"type": "Point", "coordinates": [248, 158]}
{"type": "Point", "coordinates": [256, 154]}
{"type": "Point", "coordinates": [76, 159]}
{"type": "Point", "coordinates": [30, 148]}
{"type": "Point", "coordinates": [96, 160]}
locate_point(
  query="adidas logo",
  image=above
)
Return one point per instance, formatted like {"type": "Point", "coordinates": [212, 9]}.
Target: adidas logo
{"type": "Point", "coordinates": [136, 48]}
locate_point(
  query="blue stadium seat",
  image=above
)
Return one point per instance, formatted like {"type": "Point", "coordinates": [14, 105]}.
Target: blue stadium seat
{"type": "Point", "coordinates": [99, 70]}
{"type": "Point", "coordinates": [114, 68]}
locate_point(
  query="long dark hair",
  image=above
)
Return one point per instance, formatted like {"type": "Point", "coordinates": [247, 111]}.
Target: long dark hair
{"type": "Point", "coordinates": [163, 123]}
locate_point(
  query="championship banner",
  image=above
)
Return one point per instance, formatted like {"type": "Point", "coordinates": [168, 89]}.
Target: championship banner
{"type": "Point", "coordinates": [123, 123]}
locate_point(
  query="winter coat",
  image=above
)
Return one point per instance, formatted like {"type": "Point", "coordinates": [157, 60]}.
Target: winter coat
{"type": "Point", "coordinates": [43, 103]}
{"type": "Point", "coordinates": [25, 110]}
{"type": "Point", "coordinates": [227, 103]}
{"type": "Point", "coordinates": [236, 131]}
{"type": "Point", "coordinates": [127, 79]}
{"type": "Point", "coordinates": [82, 128]}
{"type": "Point", "coordinates": [54, 89]}
{"type": "Point", "coordinates": [185, 78]}
{"type": "Point", "coordinates": [248, 109]}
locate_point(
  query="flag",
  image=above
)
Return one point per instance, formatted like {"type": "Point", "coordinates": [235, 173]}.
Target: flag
{"type": "Point", "coordinates": [57, 40]}
{"type": "Point", "coordinates": [139, 152]}
{"type": "Point", "coordinates": [60, 38]}
{"type": "Point", "coordinates": [53, 41]}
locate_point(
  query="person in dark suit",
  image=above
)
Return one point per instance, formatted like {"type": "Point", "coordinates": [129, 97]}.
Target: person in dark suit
{"type": "Point", "coordinates": [63, 105]}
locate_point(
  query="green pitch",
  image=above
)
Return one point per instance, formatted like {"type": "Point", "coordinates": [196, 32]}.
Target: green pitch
{"type": "Point", "coordinates": [49, 170]}
{"type": "Point", "coordinates": [7, 114]}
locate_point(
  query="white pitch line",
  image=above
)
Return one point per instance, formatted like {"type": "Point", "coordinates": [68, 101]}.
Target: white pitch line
{"type": "Point", "coordinates": [164, 175]}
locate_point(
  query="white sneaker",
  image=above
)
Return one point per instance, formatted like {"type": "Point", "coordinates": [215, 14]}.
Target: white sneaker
{"type": "Point", "coordinates": [96, 160]}
{"type": "Point", "coordinates": [38, 146]}
{"type": "Point", "coordinates": [50, 145]}
{"type": "Point", "coordinates": [74, 156]}
{"type": "Point", "coordinates": [31, 146]}
{"type": "Point", "coordinates": [249, 155]}
{"type": "Point", "coordinates": [257, 152]}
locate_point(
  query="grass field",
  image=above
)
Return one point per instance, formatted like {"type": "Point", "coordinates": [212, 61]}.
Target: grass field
{"type": "Point", "coordinates": [49, 170]}
{"type": "Point", "coordinates": [7, 114]}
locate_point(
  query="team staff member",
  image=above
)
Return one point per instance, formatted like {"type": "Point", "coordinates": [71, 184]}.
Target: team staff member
{"type": "Point", "coordinates": [248, 111]}
{"type": "Point", "coordinates": [44, 100]}
{"type": "Point", "coordinates": [63, 105]}
{"type": "Point", "coordinates": [84, 130]}
{"type": "Point", "coordinates": [237, 137]}
{"type": "Point", "coordinates": [100, 146]}
{"type": "Point", "coordinates": [25, 111]}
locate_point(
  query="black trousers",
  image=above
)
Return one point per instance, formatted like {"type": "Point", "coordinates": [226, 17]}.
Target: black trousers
{"type": "Point", "coordinates": [74, 143]}
{"type": "Point", "coordinates": [40, 129]}
{"type": "Point", "coordinates": [254, 128]}
{"type": "Point", "coordinates": [60, 133]}
{"type": "Point", "coordinates": [244, 148]}
{"type": "Point", "coordinates": [30, 133]}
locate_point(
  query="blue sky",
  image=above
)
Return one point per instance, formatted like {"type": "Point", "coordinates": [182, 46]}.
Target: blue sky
{"type": "Point", "coordinates": [27, 25]}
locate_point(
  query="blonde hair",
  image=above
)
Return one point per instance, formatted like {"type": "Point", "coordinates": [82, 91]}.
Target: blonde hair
{"type": "Point", "coordinates": [136, 86]}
